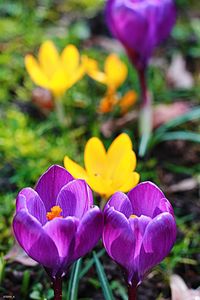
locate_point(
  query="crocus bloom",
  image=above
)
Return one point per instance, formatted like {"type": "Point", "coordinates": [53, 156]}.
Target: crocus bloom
{"type": "Point", "coordinates": [55, 72]}
{"type": "Point", "coordinates": [114, 74]}
{"type": "Point", "coordinates": [140, 25]}
{"type": "Point", "coordinates": [57, 223]}
{"type": "Point", "coordinates": [139, 230]}
{"type": "Point", "coordinates": [107, 172]}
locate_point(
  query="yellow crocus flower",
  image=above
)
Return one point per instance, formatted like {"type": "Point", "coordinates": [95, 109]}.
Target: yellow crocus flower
{"type": "Point", "coordinates": [55, 72]}
{"type": "Point", "coordinates": [115, 71]}
{"type": "Point", "coordinates": [107, 172]}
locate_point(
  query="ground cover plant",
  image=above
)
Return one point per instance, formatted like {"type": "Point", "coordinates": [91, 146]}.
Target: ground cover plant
{"type": "Point", "coordinates": [85, 115]}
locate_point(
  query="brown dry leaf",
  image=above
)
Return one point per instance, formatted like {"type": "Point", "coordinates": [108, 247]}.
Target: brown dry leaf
{"type": "Point", "coordinates": [43, 99]}
{"type": "Point", "coordinates": [163, 113]}
{"type": "Point", "coordinates": [17, 254]}
{"type": "Point", "coordinates": [184, 185]}
{"type": "Point", "coordinates": [113, 125]}
{"type": "Point", "coordinates": [178, 76]}
{"type": "Point", "coordinates": [180, 291]}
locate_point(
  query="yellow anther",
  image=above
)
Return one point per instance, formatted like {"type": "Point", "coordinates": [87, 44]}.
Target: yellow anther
{"type": "Point", "coordinates": [133, 216]}
{"type": "Point", "coordinates": [54, 213]}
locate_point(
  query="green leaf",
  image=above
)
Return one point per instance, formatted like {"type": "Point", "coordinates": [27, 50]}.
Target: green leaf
{"type": "Point", "coordinates": [187, 117]}
{"type": "Point", "coordinates": [72, 292]}
{"type": "Point", "coordinates": [90, 263]}
{"type": "Point", "coordinates": [103, 279]}
{"type": "Point", "coordinates": [181, 135]}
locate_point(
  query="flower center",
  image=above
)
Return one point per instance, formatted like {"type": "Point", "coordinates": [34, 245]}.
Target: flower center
{"type": "Point", "coordinates": [54, 213]}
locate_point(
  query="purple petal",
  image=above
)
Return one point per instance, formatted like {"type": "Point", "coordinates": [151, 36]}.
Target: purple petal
{"type": "Point", "coordinates": [30, 200]}
{"type": "Point", "coordinates": [62, 232]}
{"type": "Point", "coordinates": [163, 206]}
{"type": "Point", "coordinates": [121, 203]}
{"type": "Point", "coordinates": [32, 238]}
{"type": "Point", "coordinates": [159, 238]}
{"type": "Point", "coordinates": [119, 239]}
{"type": "Point", "coordinates": [138, 226]}
{"type": "Point", "coordinates": [89, 232]}
{"type": "Point", "coordinates": [75, 198]}
{"type": "Point", "coordinates": [50, 184]}
{"type": "Point", "coordinates": [145, 198]}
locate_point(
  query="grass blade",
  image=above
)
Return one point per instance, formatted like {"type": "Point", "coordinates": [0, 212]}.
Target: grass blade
{"type": "Point", "coordinates": [90, 263]}
{"type": "Point", "coordinates": [72, 292]}
{"type": "Point", "coordinates": [181, 135]}
{"type": "Point", "coordinates": [189, 116]}
{"type": "Point", "coordinates": [103, 279]}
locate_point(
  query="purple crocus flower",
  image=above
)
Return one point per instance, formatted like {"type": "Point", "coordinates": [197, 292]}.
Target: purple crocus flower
{"type": "Point", "coordinates": [57, 223]}
{"type": "Point", "coordinates": [139, 230]}
{"type": "Point", "coordinates": [140, 25]}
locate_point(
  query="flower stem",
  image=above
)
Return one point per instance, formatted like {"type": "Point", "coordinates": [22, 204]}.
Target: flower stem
{"type": "Point", "coordinates": [57, 287]}
{"type": "Point", "coordinates": [60, 111]}
{"type": "Point", "coordinates": [145, 124]}
{"type": "Point", "coordinates": [103, 203]}
{"type": "Point", "coordinates": [132, 292]}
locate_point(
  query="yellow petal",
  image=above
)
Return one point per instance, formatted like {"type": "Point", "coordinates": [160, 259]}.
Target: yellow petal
{"type": "Point", "coordinates": [118, 154]}
{"type": "Point", "coordinates": [100, 186]}
{"type": "Point", "coordinates": [127, 101]}
{"type": "Point", "coordinates": [58, 83]}
{"type": "Point", "coordinates": [125, 165]}
{"type": "Point", "coordinates": [95, 157]}
{"type": "Point", "coordinates": [76, 76]}
{"type": "Point", "coordinates": [48, 58]}
{"type": "Point", "coordinates": [93, 71]}
{"type": "Point", "coordinates": [131, 181]}
{"type": "Point", "coordinates": [74, 169]}
{"type": "Point", "coordinates": [70, 59]}
{"type": "Point", "coordinates": [35, 71]}
{"type": "Point", "coordinates": [116, 71]}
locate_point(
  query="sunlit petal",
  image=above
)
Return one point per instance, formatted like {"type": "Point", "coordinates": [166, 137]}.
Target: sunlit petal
{"type": "Point", "coordinates": [48, 58]}
{"type": "Point", "coordinates": [74, 169]}
{"type": "Point", "coordinates": [95, 157]}
{"type": "Point", "coordinates": [70, 59]}
{"type": "Point", "coordinates": [115, 70]}
{"type": "Point", "coordinates": [35, 71]}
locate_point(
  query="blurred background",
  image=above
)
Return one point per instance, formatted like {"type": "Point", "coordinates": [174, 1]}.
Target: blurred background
{"type": "Point", "coordinates": [31, 138]}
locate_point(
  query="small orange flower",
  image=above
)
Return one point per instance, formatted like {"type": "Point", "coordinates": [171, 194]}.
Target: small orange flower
{"type": "Point", "coordinates": [114, 74]}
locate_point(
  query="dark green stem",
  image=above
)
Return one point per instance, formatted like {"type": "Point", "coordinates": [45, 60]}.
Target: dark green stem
{"type": "Point", "coordinates": [57, 287]}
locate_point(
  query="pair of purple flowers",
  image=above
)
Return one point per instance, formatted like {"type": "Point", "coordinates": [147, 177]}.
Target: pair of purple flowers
{"type": "Point", "coordinates": [57, 223]}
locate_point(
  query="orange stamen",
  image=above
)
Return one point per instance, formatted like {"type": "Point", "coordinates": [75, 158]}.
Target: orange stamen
{"type": "Point", "coordinates": [133, 216]}
{"type": "Point", "coordinates": [54, 213]}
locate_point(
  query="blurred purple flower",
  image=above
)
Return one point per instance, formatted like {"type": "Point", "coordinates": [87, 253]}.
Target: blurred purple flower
{"type": "Point", "coordinates": [57, 223]}
{"type": "Point", "coordinates": [140, 25]}
{"type": "Point", "coordinates": [139, 230]}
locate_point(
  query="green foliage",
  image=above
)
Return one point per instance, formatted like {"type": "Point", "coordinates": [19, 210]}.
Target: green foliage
{"type": "Point", "coordinates": [36, 146]}
{"type": "Point", "coordinates": [72, 293]}
{"type": "Point", "coordinates": [106, 289]}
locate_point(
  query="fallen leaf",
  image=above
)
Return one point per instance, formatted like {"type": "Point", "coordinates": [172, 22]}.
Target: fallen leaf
{"type": "Point", "coordinates": [17, 254]}
{"type": "Point", "coordinates": [177, 75]}
{"type": "Point", "coordinates": [184, 185]}
{"type": "Point", "coordinates": [163, 113]}
{"type": "Point", "coordinates": [180, 291]}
